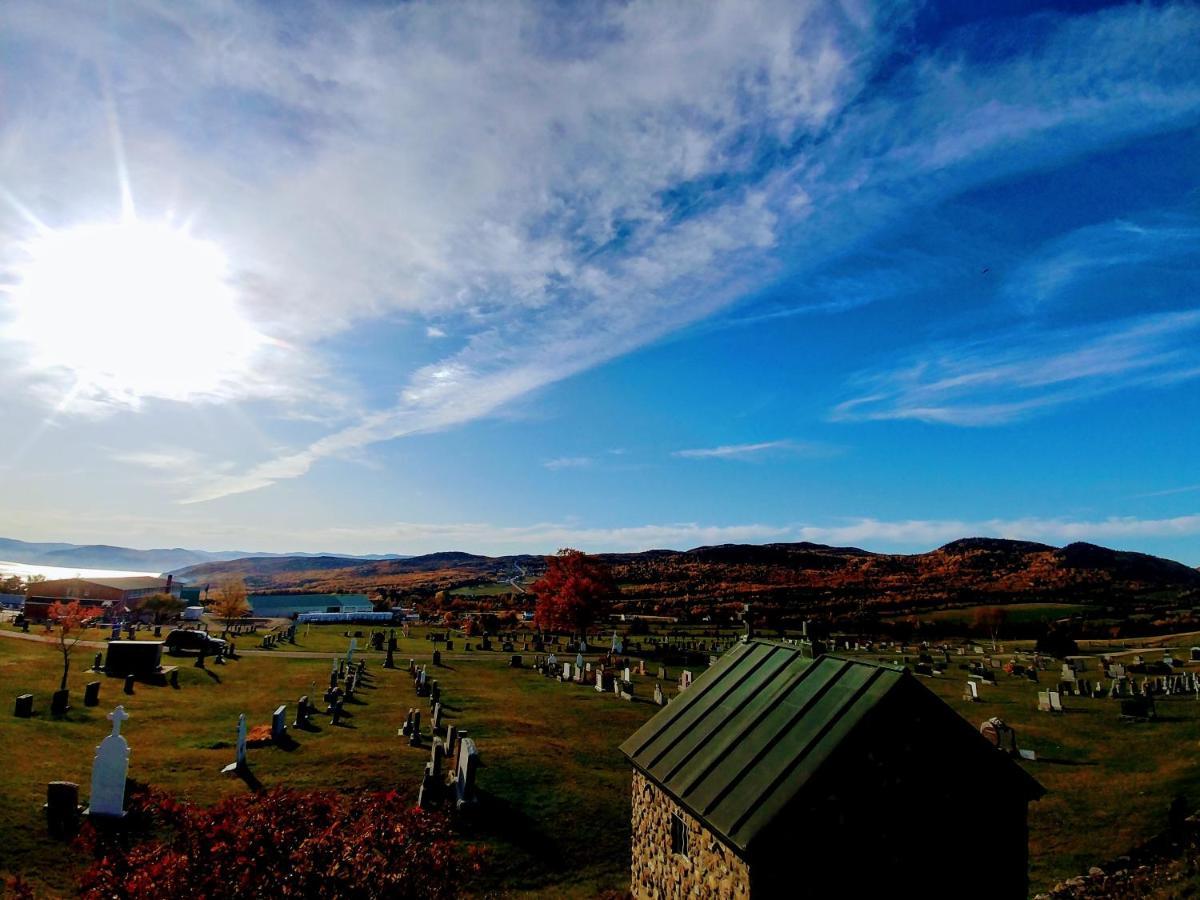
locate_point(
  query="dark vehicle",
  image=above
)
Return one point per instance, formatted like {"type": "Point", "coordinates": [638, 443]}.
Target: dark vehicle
{"type": "Point", "coordinates": [181, 641]}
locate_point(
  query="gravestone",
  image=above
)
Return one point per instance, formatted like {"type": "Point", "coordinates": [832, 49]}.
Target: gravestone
{"type": "Point", "coordinates": [142, 659]}
{"type": "Point", "coordinates": [437, 657]}
{"type": "Point", "coordinates": [1043, 701]}
{"type": "Point", "coordinates": [129, 684]}
{"type": "Point", "coordinates": [91, 694]}
{"type": "Point", "coordinates": [302, 713]}
{"type": "Point", "coordinates": [279, 723]}
{"type": "Point", "coordinates": [658, 694]}
{"type": "Point", "coordinates": [514, 662]}
{"type": "Point", "coordinates": [62, 809]}
{"type": "Point", "coordinates": [414, 730]}
{"type": "Point", "coordinates": [971, 692]}
{"type": "Point", "coordinates": [24, 706]}
{"type": "Point", "coordinates": [1000, 735]}
{"type": "Point", "coordinates": [60, 703]}
{"type": "Point", "coordinates": [98, 663]}
{"type": "Point", "coordinates": [239, 762]}
{"type": "Point", "coordinates": [109, 770]}
{"type": "Point", "coordinates": [464, 779]}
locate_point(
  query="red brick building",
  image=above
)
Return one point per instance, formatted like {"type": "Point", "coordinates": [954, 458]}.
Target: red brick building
{"type": "Point", "coordinates": [111, 597]}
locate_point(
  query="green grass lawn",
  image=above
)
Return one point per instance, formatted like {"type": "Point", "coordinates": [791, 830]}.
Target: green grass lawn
{"type": "Point", "coordinates": [495, 589]}
{"type": "Point", "coordinates": [556, 809]}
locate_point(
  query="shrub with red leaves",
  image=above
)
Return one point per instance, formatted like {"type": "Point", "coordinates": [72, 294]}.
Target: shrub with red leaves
{"type": "Point", "coordinates": [278, 843]}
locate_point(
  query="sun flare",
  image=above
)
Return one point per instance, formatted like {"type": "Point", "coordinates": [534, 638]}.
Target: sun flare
{"type": "Point", "coordinates": [130, 311]}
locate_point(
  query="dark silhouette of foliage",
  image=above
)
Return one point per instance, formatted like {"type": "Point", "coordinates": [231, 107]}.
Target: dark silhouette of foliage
{"type": "Point", "coordinates": [1057, 641]}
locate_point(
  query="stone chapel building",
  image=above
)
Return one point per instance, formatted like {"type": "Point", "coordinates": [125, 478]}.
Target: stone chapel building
{"type": "Point", "coordinates": [778, 775]}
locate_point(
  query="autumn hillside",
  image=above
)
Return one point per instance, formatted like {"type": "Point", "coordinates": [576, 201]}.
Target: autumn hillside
{"type": "Point", "coordinates": [832, 579]}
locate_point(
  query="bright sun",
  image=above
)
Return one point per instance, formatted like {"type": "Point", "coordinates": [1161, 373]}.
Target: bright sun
{"type": "Point", "coordinates": [132, 310]}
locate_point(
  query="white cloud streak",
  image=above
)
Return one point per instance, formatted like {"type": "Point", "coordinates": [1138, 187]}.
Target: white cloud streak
{"type": "Point", "coordinates": [555, 190]}
{"type": "Point", "coordinates": [869, 533]}
{"type": "Point", "coordinates": [756, 451]}
{"type": "Point", "coordinates": [1016, 376]}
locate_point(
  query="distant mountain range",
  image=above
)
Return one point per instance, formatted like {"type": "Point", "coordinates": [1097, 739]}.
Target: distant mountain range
{"type": "Point", "coordinates": [836, 579]}
{"type": "Point", "coordinates": [103, 556]}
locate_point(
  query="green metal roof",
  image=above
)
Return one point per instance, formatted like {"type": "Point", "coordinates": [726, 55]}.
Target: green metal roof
{"type": "Point", "coordinates": [750, 733]}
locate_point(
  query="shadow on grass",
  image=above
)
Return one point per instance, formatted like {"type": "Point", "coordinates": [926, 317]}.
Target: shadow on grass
{"type": "Point", "coordinates": [213, 675]}
{"type": "Point", "coordinates": [252, 782]}
{"type": "Point", "coordinates": [497, 818]}
{"type": "Point", "coordinates": [1056, 761]}
{"type": "Point", "coordinates": [286, 743]}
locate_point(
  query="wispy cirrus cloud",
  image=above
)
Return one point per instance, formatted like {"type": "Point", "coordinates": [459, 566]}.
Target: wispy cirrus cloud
{"type": "Point", "coordinates": [1019, 375]}
{"type": "Point", "coordinates": [553, 188]}
{"type": "Point", "coordinates": [758, 450]}
{"type": "Point", "coordinates": [1075, 260]}
{"type": "Point", "coordinates": [568, 462]}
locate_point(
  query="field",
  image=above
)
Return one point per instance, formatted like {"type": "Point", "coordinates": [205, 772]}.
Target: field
{"type": "Point", "coordinates": [556, 789]}
{"type": "Point", "coordinates": [1015, 613]}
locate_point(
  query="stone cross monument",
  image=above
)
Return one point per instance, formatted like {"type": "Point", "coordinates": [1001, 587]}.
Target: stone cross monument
{"type": "Point", "coordinates": [109, 769]}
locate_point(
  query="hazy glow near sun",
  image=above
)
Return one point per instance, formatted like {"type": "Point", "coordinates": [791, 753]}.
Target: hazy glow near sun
{"type": "Point", "coordinates": [131, 310]}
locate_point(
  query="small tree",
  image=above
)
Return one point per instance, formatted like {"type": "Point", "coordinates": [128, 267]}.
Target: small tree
{"type": "Point", "coordinates": [576, 590]}
{"type": "Point", "coordinates": [990, 619]}
{"type": "Point", "coordinates": [160, 605]}
{"type": "Point", "coordinates": [69, 617]}
{"type": "Point", "coordinates": [231, 603]}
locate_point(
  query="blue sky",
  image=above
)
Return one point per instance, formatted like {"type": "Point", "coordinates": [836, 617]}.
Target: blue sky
{"type": "Point", "coordinates": [506, 277]}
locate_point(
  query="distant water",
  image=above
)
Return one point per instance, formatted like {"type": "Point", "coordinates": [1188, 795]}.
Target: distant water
{"type": "Point", "coordinates": [51, 572]}
{"type": "Point", "coordinates": [286, 604]}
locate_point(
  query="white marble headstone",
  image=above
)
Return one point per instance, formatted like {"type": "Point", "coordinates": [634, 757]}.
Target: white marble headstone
{"type": "Point", "coordinates": [240, 759]}
{"type": "Point", "coordinates": [109, 770]}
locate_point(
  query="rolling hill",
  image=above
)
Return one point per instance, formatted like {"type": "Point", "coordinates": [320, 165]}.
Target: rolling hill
{"type": "Point", "coordinates": [104, 556]}
{"type": "Point", "coordinates": [833, 579]}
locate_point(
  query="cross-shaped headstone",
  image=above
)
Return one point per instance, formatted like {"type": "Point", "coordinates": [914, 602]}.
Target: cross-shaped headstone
{"type": "Point", "coordinates": [117, 716]}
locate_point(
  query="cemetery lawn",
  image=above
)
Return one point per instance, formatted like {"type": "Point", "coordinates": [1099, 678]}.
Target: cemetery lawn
{"type": "Point", "coordinates": [554, 813]}
{"type": "Point", "coordinates": [555, 809]}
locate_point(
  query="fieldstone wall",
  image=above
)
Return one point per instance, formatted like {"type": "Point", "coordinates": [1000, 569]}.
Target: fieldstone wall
{"type": "Point", "coordinates": [710, 870]}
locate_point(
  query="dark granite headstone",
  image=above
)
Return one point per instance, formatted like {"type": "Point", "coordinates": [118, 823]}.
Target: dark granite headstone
{"type": "Point", "coordinates": [24, 706]}
{"type": "Point", "coordinates": [91, 694]}
{"type": "Point", "coordinates": [62, 809]}
{"type": "Point", "coordinates": [60, 702]}
{"type": "Point", "coordinates": [140, 658]}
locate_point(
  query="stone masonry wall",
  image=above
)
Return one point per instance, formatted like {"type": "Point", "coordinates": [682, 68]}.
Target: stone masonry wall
{"type": "Point", "coordinates": [711, 869]}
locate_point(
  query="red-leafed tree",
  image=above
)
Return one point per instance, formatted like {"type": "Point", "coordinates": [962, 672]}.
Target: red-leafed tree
{"type": "Point", "coordinates": [277, 843]}
{"type": "Point", "coordinates": [575, 592]}
{"type": "Point", "coordinates": [70, 618]}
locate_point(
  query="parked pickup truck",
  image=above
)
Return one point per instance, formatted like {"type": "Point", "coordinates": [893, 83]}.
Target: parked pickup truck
{"type": "Point", "coordinates": [182, 640]}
